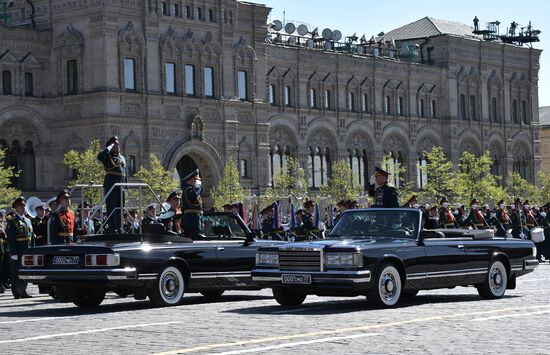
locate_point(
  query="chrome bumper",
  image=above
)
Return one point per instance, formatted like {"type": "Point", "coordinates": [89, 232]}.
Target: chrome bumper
{"type": "Point", "coordinates": [530, 264]}
{"type": "Point", "coordinates": [128, 273]}
{"type": "Point", "coordinates": [339, 276]}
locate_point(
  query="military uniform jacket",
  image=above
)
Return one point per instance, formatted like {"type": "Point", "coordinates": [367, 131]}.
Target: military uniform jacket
{"type": "Point", "coordinates": [385, 196]}
{"type": "Point", "coordinates": [40, 229]}
{"type": "Point", "coordinates": [19, 233]}
{"type": "Point", "coordinates": [115, 167]}
{"type": "Point", "coordinates": [191, 201]}
{"type": "Point", "coordinates": [447, 219]}
{"type": "Point", "coordinates": [176, 221]}
{"type": "Point", "coordinates": [519, 224]}
{"type": "Point", "coordinates": [62, 224]}
{"type": "Point", "coordinates": [147, 220]}
{"type": "Point", "coordinates": [307, 224]}
{"type": "Point", "coordinates": [476, 220]}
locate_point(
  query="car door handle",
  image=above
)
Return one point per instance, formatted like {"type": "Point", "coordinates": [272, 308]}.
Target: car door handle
{"type": "Point", "coordinates": [460, 246]}
{"type": "Point", "coordinates": [221, 248]}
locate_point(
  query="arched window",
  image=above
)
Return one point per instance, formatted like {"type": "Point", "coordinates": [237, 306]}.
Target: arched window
{"type": "Point", "coordinates": [494, 169]}
{"type": "Point", "coordinates": [6, 82]}
{"type": "Point", "coordinates": [387, 105]}
{"type": "Point", "coordinates": [462, 107]}
{"type": "Point", "coordinates": [21, 159]}
{"type": "Point", "coordinates": [318, 166]}
{"type": "Point", "coordinates": [473, 111]}
{"type": "Point", "coordinates": [278, 162]}
{"type": "Point", "coordinates": [357, 166]}
{"type": "Point", "coordinates": [515, 111]}
{"type": "Point", "coordinates": [421, 172]}
{"type": "Point", "coordinates": [494, 109]}
{"type": "Point", "coordinates": [271, 98]}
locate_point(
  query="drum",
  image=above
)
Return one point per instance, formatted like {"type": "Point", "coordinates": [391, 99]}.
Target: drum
{"type": "Point", "coordinates": [537, 234]}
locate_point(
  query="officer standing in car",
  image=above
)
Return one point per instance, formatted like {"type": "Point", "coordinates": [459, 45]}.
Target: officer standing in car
{"type": "Point", "coordinates": [191, 205]}
{"type": "Point", "coordinates": [385, 194]}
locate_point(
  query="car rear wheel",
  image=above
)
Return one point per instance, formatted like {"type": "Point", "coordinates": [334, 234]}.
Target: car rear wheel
{"type": "Point", "coordinates": [212, 293]}
{"type": "Point", "coordinates": [495, 283]}
{"type": "Point", "coordinates": [169, 287]}
{"type": "Point", "coordinates": [289, 298]}
{"type": "Point", "coordinates": [387, 287]}
{"type": "Point", "coordinates": [88, 298]}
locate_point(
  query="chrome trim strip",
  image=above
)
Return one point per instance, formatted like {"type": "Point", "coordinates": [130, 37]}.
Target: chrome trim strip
{"type": "Point", "coordinates": [110, 274]}
{"type": "Point", "coordinates": [423, 275]}
{"type": "Point", "coordinates": [151, 276]}
{"type": "Point", "coordinates": [364, 275]}
{"type": "Point", "coordinates": [213, 275]}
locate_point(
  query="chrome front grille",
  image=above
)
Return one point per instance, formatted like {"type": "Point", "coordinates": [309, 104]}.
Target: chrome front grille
{"type": "Point", "coordinates": [300, 260]}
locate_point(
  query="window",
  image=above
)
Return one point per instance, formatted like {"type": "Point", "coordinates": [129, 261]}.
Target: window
{"type": "Point", "coordinates": [208, 81]}
{"type": "Point", "coordinates": [6, 82]}
{"type": "Point", "coordinates": [421, 109]}
{"type": "Point", "coordinates": [188, 12]}
{"type": "Point", "coordinates": [327, 100]}
{"type": "Point", "coordinates": [421, 173]}
{"type": "Point", "coordinates": [515, 111]}
{"type": "Point", "coordinates": [211, 15]}
{"type": "Point", "coordinates": [400, 106]}
{"type": "Point", "coordinates": [433, 109]}
{"type": "Point", "coordinates": [271, 94]}
{"type": "Point", "coordinates": [312, 98]}
{"type": "Point", "coordinates": [190, 79]}
{"type": "Point", "coordinates": [129, 74]}
{"type": "Point", "coordinates": [176, 10]}
{"type": "Point", "coordinates": [364, 103]}
{"type": "Point", "coordinates": [357, 165]}
{"type": "Point", "coordinates": [473, 107]}
{"type": "Point", "coordinates": [351, 101]}
{"type": "Point", "coordinates": [524, 112]}
{"type": "Point", "coordinates": [242, 84]}
{"type": "Point", "coordinates": [131, 165]}
{"type": "Point", "coordinates": [318, 167]}
{"type": "Point", "coordinates": [386, 104]}
{"type": "Point", "coordinates": [494, 109]}
{"type": "Point", "coordinates": [286, 96]}
{"type": "Point", "coordinates": [278, 162]}
{"type": "Point", "coordinates": [243, 168]}
{"type": "Point", "coordinates": [72, 77]}
{"type": "Point", "coordinates": [170, 80]}
{"type": "Point", "coordinates": [164, 8]}
{"type": "Point", "coordinates": [199, 13]}
{"type": "Point", "coordinates": [462, 107]}
{"type": "Point", "coordinates": [29, 84]}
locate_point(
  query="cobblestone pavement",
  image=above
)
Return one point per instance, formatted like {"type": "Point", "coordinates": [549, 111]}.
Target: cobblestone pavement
{"type": "Point", "coordinates": [440, 321]}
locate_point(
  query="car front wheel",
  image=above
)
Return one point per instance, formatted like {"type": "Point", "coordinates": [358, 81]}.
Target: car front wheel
{"type": "Point", "coordinates": [387, 287]}
{"type": "Point", "coordinates": [169, 288]}
{"type": "Point", "coordinates": [495, 283]}
{"type": "Point", "coordinates": [289, 298]}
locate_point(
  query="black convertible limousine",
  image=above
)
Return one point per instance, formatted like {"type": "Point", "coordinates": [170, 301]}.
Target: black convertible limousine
{"type": "Point", "coordinates": [386, 255]}
{"type": "Point", "coordinates": [157, 266]}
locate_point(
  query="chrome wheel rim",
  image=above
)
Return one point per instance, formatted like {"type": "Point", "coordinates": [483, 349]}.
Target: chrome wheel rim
{"type": "Point", "coordinates": [497, 279]}
{"type": "Point", "coordinates": [389, 286]}
{"type": "Point", "coordinates": [171, 285]}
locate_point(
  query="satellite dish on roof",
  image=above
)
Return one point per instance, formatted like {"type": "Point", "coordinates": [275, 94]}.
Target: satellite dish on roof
{"type": "Point", "coordinates": [277, 25]}
{"type": "Point", "coordinates": [309, 43]}
{"type": "Point", "coordinates": [315, 32]}
{"type": "Point", "coordinates": [327, 34]}
{"type": "Point", "coordinates": [290, 28]}
{"type": "Point", "coordinates": [302, 30]}
{"type": "Point", "coordinates": [336, 35]}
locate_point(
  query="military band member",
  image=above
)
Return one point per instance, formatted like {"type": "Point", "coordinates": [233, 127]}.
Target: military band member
{"type": "Point", "coordinates": [412, 202]}
{"type": "Point", "coordinates": [475, 218]}
{"type": "Point", "coordinates": [529, 217]}
{"type": "Point", "coordinates": [115, 172]}
{"type": "Point", "coordinates": [385, 195]}
{"type": "Point", "coordinates": [519, 229]}
{"type": "Point", "coordinates": [192, 205]}
{"type": "Point", "coordinates": [40, 226]}
{"type": "Point", "coordinates": [446, 218]}
{"type": "Point", "coordinates": [62, 220]}
{"type": "Point", "coordinates": [503, 221]}
{"type": "Point", "coordinates": [174, 199]}
{"type": "Point", "coordinates": [19, 233]}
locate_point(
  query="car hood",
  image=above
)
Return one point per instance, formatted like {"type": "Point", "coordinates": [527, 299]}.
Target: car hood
{"type": "Point", "coordinates": [349, 244]}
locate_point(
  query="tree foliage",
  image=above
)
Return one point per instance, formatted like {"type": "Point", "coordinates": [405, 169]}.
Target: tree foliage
{"type": "Point", "coordinates": [440, 177]}
{"type": "Point", "coordinates": [289, 181]}
{"type": "Point", "coordinates": [157, 177]}
{"type": "Point", "coordinates": [516, 186]}
{"type": "Point", "coordinates": [8, 193]}
{"type": "Point", "coordinates": [87, 168]}
{"type": "Point", "coordinates": [229, 187]}
{"type": "Point", "coordinates": [342, 185]}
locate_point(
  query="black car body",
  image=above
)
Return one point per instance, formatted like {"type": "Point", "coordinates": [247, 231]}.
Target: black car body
{"type": "Point", "coordinates": [385, 254]}
{"type": "Point", "coordinates": [162, 267]}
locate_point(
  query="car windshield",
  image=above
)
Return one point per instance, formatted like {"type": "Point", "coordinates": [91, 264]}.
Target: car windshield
{"type": "Point", "coordinates": [222, 225]}
{"type": "Point", "coordinates": [377, 223]}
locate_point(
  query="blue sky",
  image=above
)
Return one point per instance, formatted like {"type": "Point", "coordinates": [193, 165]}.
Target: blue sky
{"type": "Point", "coordinates": [372, 17]}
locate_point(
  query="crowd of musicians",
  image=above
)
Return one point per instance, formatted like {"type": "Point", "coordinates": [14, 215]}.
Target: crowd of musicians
{"type": "Point", "coordinates": [34, 223]}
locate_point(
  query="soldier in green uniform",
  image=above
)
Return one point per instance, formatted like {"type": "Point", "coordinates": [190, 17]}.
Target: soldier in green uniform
{"type": "Point", "coordinates": [191, 205]}
{"type": "Point", "coordinates": [519, 222]}
{"type": "Point", "coordinates": [385, 195]}
{"type": "Point", "coordinates": [267, 216]}
{"type": "Point", "coordinates": [40, 226]}
{"type": "Point", "coordinates": [19, 233]}
{"type": "Point", "coordinates": [115, 172]}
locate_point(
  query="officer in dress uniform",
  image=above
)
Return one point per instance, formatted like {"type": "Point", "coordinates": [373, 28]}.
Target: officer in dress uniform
{"type": "Point", "coordinates": [40, 226]}
{"type": "Point", "coordinates": [529, 217]}
{"type": "Point", "coordinates": [503, 221]}
{"type": "Point", "coordinates": [150, 214]}
{"type": "Point", "coordinates": [62, 220]}
{"type": "Point", "coordinates": [267, 220]}
{"type": "Point", "coordinates": [174, 199]}
{"type": "Point", "coordinates": [115, 172]}
{"type": "Point", "coordinates": [475, 219]}
{"type": "Point", "coordinates": [307, 225]}
{"type": "Point", "coordinates": [191, 205]}
{"type": "Point", "coordinates": [412, 202]}
{"type": "Point", "coordinates": [19, 233]}
{"type": "Point", "coordinates": [384, 193]}
{"type": "Point", "coordinates": [519, 229]}
{"type": "Point", "coordinates": [446, 218]}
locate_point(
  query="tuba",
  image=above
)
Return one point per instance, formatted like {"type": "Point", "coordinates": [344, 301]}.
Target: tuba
{"type": "Point", "coordinates": [31, 205]}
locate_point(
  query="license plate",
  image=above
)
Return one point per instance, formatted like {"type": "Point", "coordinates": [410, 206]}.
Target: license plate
{"type": "Point", "coordinates": [296, 279]}
{"type": "Point", "coordinates": [65, 260]}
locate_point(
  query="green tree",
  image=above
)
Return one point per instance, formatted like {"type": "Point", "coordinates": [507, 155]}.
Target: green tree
{"type": "Point", "coordinates": [342, 185]}
{"type": "Point", "coordinates": [289, 181]}
{"type": "Point", "coordinates": [7, 192]}
{"type": "Point", "coordinates": [157, 177]}
{"type": "Point", "coordinates": [87, 168]}
{"type": "Point", "coordinates": [475, 179]}
{"type": "Point", "coordinates": [440, 177]}
{"type": "Point", "coordinates": [544, 190]}
{"type": "Point", "coordinates": [405, 188]}
{"type": "Point", "coordinates": [516, 186]}
{"type": "Point", "coordinates": [229, 187]}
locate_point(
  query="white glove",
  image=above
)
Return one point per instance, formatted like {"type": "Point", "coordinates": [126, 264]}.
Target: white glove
{"type": "Point", "coordinates": [372, 180]}
{"type": "Point", "coordinates": [521, 235]}
{"type": "Point", "coordinates": [110, 147]}
{"type": "Point", "coordinates": [14, 257]}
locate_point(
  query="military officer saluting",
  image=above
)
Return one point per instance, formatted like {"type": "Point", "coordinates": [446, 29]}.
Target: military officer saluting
{"type": "Point", "coordinates": [385, 195]}
{"type": "Point", "coordinates": [191, 204]}
{"type": "Point", "coordinates": [174, 199]}
{"type": "Point", "coordinates": [115, 172]}
{"type": "Point", "coordinates": [19, 234]}
{"type": "Point", "coordinates": [62, 220]}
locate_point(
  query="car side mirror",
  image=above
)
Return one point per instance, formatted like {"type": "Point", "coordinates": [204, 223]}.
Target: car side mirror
{"type": "Point", "coordinates": [250, 237]}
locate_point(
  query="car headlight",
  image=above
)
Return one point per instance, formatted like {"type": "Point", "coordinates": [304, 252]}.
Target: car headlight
{"type": "Point", "coordinates": [267, 258]}
{"type": "Point", "coordinates": [344, 260]}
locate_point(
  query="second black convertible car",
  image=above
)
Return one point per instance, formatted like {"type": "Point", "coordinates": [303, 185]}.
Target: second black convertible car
{"type": "Point", "coordinates": [386, 255]}
{"type": "Point", "coordinates": [157, 266]}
